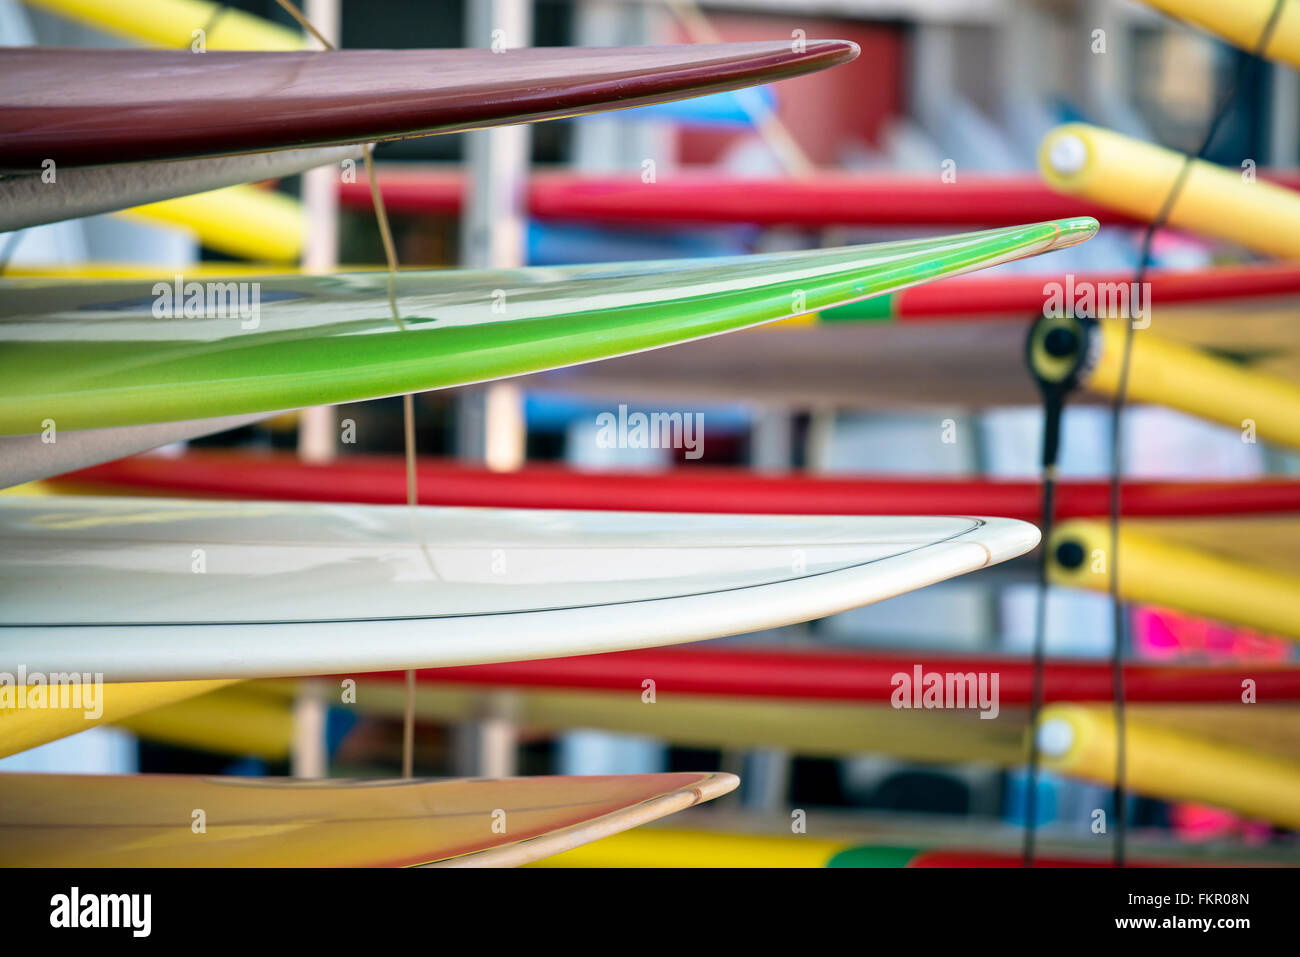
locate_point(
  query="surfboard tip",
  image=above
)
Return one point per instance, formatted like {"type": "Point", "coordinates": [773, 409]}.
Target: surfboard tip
{"type": "Point", "coordinates": [1072, 231]}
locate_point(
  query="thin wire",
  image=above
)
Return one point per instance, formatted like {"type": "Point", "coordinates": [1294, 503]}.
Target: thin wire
{"type": "Point", "coordinates": [303, 22]}
{"type": "Point", "coordinates": [408, 401]}
{"type": "Point", "coordinates": [1119, 617]}
{"type": "Point", "coordinates": [408, 711]}
{"type": "Point", "coordinates": [1047, 517]}
{"type": "Point", "coordinates": [385, 231]}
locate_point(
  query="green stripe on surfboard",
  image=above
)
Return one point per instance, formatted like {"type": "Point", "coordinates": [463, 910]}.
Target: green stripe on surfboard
{"type": "Point", "coordinates": [879, 309]}
{"type": "Point", "coordinates": [874, 856]}
{"type": "Point", "coordinates": [102, 354]}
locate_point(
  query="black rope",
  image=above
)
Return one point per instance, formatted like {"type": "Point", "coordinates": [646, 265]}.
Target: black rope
{"type": "Point", "coordinates": [1040, 660]}
{"type": "Point", "coordinates": [1056, 352]}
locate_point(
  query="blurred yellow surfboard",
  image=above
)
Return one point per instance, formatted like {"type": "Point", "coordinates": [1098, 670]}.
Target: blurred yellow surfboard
{"type": "Point", "coordinates": [56, 820]}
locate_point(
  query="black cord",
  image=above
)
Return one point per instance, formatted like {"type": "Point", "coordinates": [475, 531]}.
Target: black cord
{"type": "Point", "coordinates": [1056, 352]}
{"type": "Point", "coordinates": [1040, 656]}
{"type": "Point", "coordinates": [1119, 616]}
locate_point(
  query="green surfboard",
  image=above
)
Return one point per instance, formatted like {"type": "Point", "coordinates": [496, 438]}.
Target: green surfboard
{"type": "Point", "coordinates": [88, 355]}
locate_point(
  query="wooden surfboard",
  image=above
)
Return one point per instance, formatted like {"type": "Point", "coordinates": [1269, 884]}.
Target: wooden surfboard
{"type": "Point", "coordinates": [58, 820]}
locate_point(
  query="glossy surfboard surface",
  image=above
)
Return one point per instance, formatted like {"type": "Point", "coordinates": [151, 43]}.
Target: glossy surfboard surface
{"type": "Point", "coordinates": [86, 107]}
{"type": "Point", "coordinates": [57, 820]}
{"type": "Point", "coordinates": [94, 355]}
{"type": "Point", "coordinates": [381, 480]}
{"type": "Point", "coordinates": [156, 590]}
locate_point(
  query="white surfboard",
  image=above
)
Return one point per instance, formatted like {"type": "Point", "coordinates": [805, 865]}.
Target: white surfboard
{"type": "Point", "coordinates": [27, 199]}
{"type": "Point", "coordinates": [154, 590]}
{"type": "Point", "coordinates": [27, 458]}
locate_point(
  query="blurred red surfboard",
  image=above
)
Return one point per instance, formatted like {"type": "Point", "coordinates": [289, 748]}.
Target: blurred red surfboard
{"type": "Point", "coordinates": [712, 198]}
{"type": "Point", "coordinates": [381, 480]}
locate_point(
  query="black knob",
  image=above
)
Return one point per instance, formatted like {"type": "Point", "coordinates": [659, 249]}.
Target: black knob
{"type": "Point", "coordinates": [1061, 342]}
{"type": "Point", "coordinates": [1069, 554]}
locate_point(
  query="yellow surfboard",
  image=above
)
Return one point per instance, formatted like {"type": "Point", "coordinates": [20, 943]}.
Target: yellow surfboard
{"type": "Point", "coordinates": [56, 820]}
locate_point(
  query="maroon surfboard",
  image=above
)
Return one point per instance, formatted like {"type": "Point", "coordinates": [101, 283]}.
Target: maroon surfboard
{"type": "Point", "coordinates": [86, 107]}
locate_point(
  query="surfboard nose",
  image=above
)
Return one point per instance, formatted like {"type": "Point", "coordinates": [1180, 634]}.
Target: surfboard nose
{"type": "Point", "coordinates": [833, 52]}
{"type": "Point", "coordinates": [1073, 231]}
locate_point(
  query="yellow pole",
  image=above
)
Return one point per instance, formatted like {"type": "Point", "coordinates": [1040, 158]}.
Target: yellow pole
{"type": "Point", "coordinates": [26, 727]}
{"type": "Point", "coordinates": [1135, 178]}
{"type": "Point", "coordinates": [1079, 741]}
{"type": "Point", "coordinates": [171, 23]}
{"type": "Point", "coordinates": [1242, 23]}
{"type": "Point", "coordinates": [1156, 572]}
{"type": "Point", "coordinates": [245, 221]}
{"type": "Point", "coordinates": [1187, 378]}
